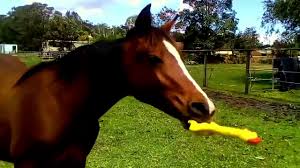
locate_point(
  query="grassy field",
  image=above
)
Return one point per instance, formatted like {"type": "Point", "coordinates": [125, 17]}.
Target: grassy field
{"type": "Point", "coordinates": [134, 134]}
{"type": "Point", "coordinates": [231, 78]}
{"type": "Point", "coordinates": [30, 60]}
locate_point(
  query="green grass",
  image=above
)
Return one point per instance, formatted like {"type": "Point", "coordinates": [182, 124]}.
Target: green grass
{"type": "Point", "coordinates": [30, 60]}
{"type": "Point", "coordinates": [134, 134]}
{"type": "Point", "coordinates": [137, 135]}
{"type": "Point", "coordinates": [231, 78]}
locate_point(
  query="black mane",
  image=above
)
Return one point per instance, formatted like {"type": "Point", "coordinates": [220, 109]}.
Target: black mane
{"type": "Point", "coordinates": [69, 63]}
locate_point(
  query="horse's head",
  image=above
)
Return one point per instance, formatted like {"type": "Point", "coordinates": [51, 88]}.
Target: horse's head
{"type": "Point", "coordinates": [156, 74]}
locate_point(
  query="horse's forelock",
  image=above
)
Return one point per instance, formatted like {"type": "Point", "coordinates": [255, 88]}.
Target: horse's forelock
{"type": "Point", "coordinates": [151, 37]}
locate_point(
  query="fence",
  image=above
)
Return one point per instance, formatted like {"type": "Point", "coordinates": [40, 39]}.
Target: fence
{"type": "Point", "coordinates": [45, 56]}
{"type": "Point", "coordinates": [51, 55]}
{"type": "Point", "coordinates": [27, 53]}
{"type": "Point", "coordinates": [284, 70]}
{"type": "Point", "coordinates": [237, 70]}
{"type": "Point", "coordinates": [261, 70]}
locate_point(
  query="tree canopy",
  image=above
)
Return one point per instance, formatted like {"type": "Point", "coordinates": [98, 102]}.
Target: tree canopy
{"type": "Point", "coordinates": [285, 12]}
{"type": "Point", "coordinates": [30, 25]}
{"type": "Point", "coordinates": [247, 39]}
{"type": "Point", "coordinates": [210, 23]}
{"type": "Point", "coordinates": [26, 25]}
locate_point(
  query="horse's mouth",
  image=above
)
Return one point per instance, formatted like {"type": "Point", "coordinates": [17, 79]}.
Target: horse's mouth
{"type": "Point", "coordinates": [169, 108]}
{"type": "Point", "coordinates": [175, 113]}
{"type": "Point", "coordinates": [185, 119]}
{"type": "Point", "coordinates": [186, 124]}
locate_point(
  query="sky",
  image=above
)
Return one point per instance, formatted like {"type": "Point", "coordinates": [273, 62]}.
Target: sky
{"type": "Point", "coordinates": [115, 12]}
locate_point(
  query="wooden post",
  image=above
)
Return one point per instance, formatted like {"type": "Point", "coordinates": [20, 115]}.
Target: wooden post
{"type": "Point", "coordinates": [247, 80]}
{"type": "Point", "coordinates": [273, 73]}
{"type": "Point", "coordinates": [205, 70]}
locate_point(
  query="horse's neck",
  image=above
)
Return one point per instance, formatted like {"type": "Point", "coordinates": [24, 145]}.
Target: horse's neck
{"type": "Point", "coordinates": [105, 81]}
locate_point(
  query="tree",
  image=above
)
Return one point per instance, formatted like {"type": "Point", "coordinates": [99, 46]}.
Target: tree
{"type": "Point", "coordinates": [2, 20]}
{"type": "Point", "coordinates": [210, 23]}
{"type": "Point", "coordinates": [73, 15]}
{"type": "Point", "coordinates": [26, 25]}
{"type": "Point", "coordinates": [285, 41]}
{"type": "Point", "coordinates": [63, 28]}
{"type": "Point", "coordinates": [130, 22]}
{"type": "Point", "coordinates": [104, 32]}
{"type": "Point", "coordinates": [31, 25]}
{"type": "Point", "coordinates": [247, 39]}
{"type": "Point", "coordinates": [163, 16]}
{"type": "Point", "coordinates": [117, 32]}
{"type": "Point", "coordinates": [285, 12]}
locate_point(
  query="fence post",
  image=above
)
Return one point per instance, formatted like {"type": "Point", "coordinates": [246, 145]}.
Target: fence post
{"type": "Point", "coordinates": [205, 71]}
{"type": "Point", "coordinates": [247, 80]}
{"type": "Point", "coordinates": [273, 73]}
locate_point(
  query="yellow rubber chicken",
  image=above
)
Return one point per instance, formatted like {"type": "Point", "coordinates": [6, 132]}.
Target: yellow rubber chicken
{"type": "Point", "coordinates": [244, 134]}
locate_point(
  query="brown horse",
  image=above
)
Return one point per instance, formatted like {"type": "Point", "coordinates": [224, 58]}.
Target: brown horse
{"type": "Point", "coordinates": [49, 114]}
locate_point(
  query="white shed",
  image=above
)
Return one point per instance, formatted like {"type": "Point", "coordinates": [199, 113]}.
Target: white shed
{"type": "Point", "coordinates": [8, 48]}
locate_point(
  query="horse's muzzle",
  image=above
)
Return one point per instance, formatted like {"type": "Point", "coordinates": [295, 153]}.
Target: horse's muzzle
{"type": "Point", "coordinates": [200, 111]}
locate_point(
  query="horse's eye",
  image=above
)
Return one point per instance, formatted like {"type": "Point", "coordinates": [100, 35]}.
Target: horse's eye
{"type": "Point", "coordinates": [154, 60]}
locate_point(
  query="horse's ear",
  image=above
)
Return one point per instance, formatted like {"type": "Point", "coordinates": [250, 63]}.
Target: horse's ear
{"type": "Point", "coordinates": [168, 26]}
{"type": "Point", "coordinates": [144, 19]}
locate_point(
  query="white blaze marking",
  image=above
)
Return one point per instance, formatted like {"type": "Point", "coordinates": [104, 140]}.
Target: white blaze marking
{"type": "Point", "coordinates": [175, 53]}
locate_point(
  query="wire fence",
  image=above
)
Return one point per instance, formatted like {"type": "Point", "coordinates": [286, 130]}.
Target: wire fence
{"type": "Point", "coordinates": [44, 55]}
{"type": "Point", "coordinates": [51, 55]}
{"type": "Point", "coordinates": [236, 70]}
{"type": "Point", "coordinates": [242, 70]}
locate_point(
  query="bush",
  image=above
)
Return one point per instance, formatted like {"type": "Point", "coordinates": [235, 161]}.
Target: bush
{"type": "Point", "coordinates": [235, 59]}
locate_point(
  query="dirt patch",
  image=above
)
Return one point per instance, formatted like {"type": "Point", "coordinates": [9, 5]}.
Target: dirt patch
{"type": "Point", "coordinates": [279, 110]}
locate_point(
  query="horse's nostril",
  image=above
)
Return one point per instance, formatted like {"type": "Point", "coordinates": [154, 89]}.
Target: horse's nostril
{"type": "Point", "coordinates": [200, 108]}
{"type": "Point", "coordinates": [212, 112]}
